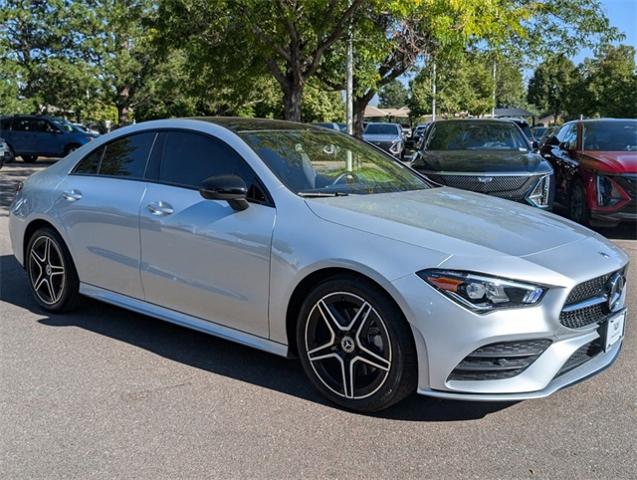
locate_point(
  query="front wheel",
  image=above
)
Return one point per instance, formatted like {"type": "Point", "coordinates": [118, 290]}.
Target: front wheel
{"type": "Point", "coordinates": [356, 346]}
{"type": "Point", "coordinates": [578, 210]}
{"type": "Point", "coordinates": [29, 158]}
{"type": "Point", "coordinates": [52, 275]}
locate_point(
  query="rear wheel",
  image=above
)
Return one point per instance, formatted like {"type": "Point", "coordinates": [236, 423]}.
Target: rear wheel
{"type": "Point", "coordinates": [356, 346]}
{"type": "Point", "coordinates": [70, 148]}
{"type": "Point", "coordinates": [578, 210]}
{"type": "Point", "coordinates": [52, 275]}
{"type": "Point", "coordinates": [10, 155]}
{"type": "Point", "coordinates": [29, 158]}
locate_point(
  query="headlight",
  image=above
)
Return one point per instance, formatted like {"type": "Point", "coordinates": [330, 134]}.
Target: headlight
{"type": "Point", "coordinates": [395, 146]}
{"type": "Point", "coordinates": [481, 293]}
{"type": "Point", "coordinates": [609, 193]}
{"type": "Point", "coordinates": [541, 192]}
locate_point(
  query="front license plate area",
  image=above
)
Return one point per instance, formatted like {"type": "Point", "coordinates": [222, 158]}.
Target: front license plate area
{"type": "Point", "coordinates": [612, 330]}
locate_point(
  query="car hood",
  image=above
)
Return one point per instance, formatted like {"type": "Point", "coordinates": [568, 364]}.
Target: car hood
{"type": "Point", "coordinates": [614, 162]}
{"type": "Point", "coordinates": [481, 161]}
{"type": "Point", "coordinates": [370, 137]}
{"type": "Point", "coordinates": [451, 221]}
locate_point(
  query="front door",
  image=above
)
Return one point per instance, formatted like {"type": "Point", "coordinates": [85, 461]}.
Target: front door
{"type": "Point", "coordinates": [201, 257]}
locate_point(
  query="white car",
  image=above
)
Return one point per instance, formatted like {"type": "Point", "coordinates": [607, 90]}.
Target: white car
{"type": "Point", "coordinates": [306, 242]}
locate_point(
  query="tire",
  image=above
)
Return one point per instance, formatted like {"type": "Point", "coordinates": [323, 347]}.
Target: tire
{"type": "Point", "coordinates": [29, 158]}
{"type": "Point", "coordinates": [10, 158]}
{"type": "Point", "coordinates": [366, 334]}
{"type": "Point", "coordinates": [52, 276]}
{"type": "Point", "coordinates": [577, 209]}
{"type": "Point", "coordinates": [69, 148]}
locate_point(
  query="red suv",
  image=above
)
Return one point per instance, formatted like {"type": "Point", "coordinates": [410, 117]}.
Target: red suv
{"type": "Point", "coordinates": [595, 164]}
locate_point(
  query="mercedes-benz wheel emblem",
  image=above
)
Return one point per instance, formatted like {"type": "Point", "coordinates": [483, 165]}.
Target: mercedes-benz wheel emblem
{"type": "Point", "coordinates": [347, 344]}
{"type": "Point", "coordinates": [614, 289]}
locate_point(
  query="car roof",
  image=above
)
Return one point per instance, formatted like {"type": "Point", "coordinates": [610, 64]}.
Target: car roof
{"type": "Point", "coordinates": [242, 124]}
{"type": "Point", "coordinates": [476, 120]}
{"type": "Point", "coordinates": [592, 120]}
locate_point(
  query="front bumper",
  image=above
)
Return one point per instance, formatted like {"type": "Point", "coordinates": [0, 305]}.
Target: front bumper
{"type": "Point", "coordinates": [594, 366]}
{"type": "Point", "coordinates": [446, 334]}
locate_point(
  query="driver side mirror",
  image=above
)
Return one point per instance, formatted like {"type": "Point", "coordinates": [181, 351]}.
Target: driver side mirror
{"type": "Point", "coordinates": [230, 188]}
{"type": "Point", "coordinates": [535, 145]}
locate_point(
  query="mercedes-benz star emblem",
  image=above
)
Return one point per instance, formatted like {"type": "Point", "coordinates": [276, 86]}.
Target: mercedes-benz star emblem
{"type": "Point", "coordinates": [614, 289]}
{"type": "Point", "coordinates": [347, 344]}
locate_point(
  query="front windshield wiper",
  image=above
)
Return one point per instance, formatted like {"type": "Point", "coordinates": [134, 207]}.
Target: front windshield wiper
{"type": "Point", "coordinates": [321, 194]}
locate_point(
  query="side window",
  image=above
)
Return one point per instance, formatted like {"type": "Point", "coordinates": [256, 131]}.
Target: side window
{"type": "Point", "coordinates": [22, 125]}
{"type": "Point", "coordinates": [567, 133]}
{"type": "Point", "coordinates": [189, 158]}
{"type": "Point", "coordinates": [89, 165]}
{"type": "Point", "coordinates": [126, 157]}
{"type": "Point", "coordinates": [5, 123]}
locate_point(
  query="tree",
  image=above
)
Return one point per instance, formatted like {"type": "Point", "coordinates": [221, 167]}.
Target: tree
{"type": "Point", "coordinates": [464, 85]}
{"type": "Point", "coordinates": [393, 95]}
{"type": "Point", "coordinates": [551, 85]}
{"type": "Point", "coordinates": [609, 83]}
{"type": "Point", "coordinates": [242, 40]}
{"type": "Point", "coordinates": [391, 37]}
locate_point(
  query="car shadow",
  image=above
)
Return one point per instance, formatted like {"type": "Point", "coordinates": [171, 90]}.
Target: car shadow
{"type": "Point", "coordinates": [215, 355]}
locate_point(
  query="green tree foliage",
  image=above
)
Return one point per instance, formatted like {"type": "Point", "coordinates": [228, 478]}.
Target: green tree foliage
{"type": "Point", "coordinates": [393, 95]}
{"type": "Point", "coordinates": [464, 84]}
{"type": "Point", "coordinates": [550, 89]}
{"type": "Point", "coordinates": [240, 41]}
{"type": "Point", "coordinates": [608, 83]}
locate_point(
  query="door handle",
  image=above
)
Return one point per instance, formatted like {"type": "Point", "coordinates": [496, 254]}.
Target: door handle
{"type": "Point", "coordinates": [160, 208]}
{"type": "Point", "coordinates": [72, 195]}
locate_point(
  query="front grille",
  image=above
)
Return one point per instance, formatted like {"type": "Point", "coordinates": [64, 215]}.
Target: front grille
{"type": "Point", "coordinates": [582, 355]}
{"type": "Point", "coordinates": [589, 289]}
{"type": "Point", "coordinates": [513, 187]}
{"type": "Point", "coordinates": [499, 360]}
{"type": "Point", "coordinates": [582, 317]}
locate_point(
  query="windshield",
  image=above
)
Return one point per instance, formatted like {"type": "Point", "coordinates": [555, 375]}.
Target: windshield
{"type": "Point", "coordinates": [476, 136]}
{"type": "Point", "coordinates": [63, 126]}
{"type": "Point", "coordinates": [610, 136]}
{"type": "Point", "coordinates": [313, 162]}
{"type": "Point", "coordinates": [382, 129]}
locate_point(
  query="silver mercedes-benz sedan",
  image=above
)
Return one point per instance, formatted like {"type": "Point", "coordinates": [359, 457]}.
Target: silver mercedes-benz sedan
{"type": "Point", "coordinates": [306, 242]}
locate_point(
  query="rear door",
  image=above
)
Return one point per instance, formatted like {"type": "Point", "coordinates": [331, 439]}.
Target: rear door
{"type": "Point", "coordinates": [201, 257]}
{"type": "Point", "coordinates": [99, 205]}
{"type": "Point", "coordinates": [21, 138]}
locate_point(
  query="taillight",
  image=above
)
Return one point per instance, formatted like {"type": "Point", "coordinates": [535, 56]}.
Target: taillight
{"type": "Point", "coordinates": [609, 192]}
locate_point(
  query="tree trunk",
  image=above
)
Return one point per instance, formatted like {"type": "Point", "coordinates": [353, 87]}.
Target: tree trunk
{"type": "Point", "coordinates": [123, 105]}
{"type": "Point", "coordinates": [359, 112]}
{"type": "Point", "coordinates": [292, 94]}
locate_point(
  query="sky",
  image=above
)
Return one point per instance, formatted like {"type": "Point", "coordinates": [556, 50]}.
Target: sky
{"type": "Point", "coordinates": [623, 15]}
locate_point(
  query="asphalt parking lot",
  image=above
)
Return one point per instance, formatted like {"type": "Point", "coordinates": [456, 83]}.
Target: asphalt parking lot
{"type": "Point", "coordinates": [106, 393]}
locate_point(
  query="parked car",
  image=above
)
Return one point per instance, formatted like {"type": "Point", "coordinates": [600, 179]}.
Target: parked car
{"type": "Point", "coordinates": [524, 126]}
{"type": "Point", "coordinates": [388, 136]}
{"type": "Point", "coordinates": [250, 230]}
{"type": "Point", "coordinates": [31, 136]}
{"type": "Point", "coordinates": [595, 163]}
{"type": "Point", "coordinates": [538, 132]}
{"type": "Point", "coordinates": [486, 156]}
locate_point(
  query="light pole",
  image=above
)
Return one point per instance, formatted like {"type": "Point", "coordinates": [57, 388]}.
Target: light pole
{"type": "Point", "coordinates": [433, 90]}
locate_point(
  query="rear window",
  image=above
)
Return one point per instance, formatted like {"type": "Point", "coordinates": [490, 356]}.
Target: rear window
{"type": "Point", "coordinates": [125, 157]}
